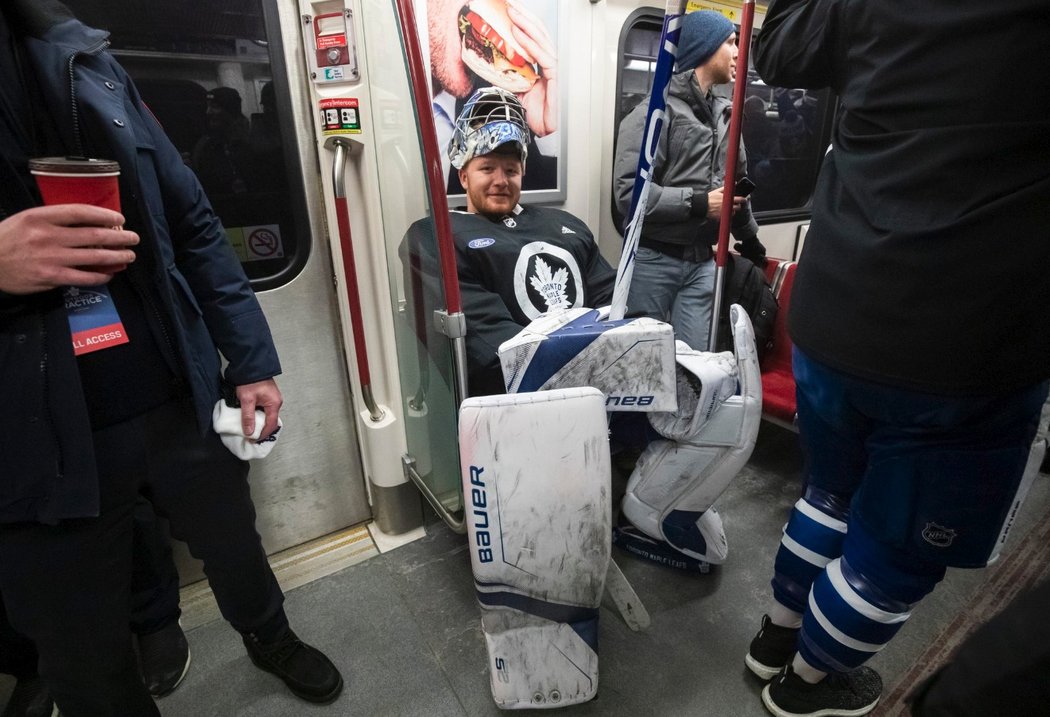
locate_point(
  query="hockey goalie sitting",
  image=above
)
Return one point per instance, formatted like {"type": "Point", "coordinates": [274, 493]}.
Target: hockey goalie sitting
{"type": "Point", "coordinates": [539, 267]}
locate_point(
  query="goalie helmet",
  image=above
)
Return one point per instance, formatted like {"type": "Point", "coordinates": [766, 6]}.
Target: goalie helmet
{"type": "Point", "coordinates": [491, 117]}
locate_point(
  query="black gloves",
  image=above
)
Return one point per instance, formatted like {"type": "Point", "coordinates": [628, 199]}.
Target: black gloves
{"type": "Point", "coordinates": [752, 250]}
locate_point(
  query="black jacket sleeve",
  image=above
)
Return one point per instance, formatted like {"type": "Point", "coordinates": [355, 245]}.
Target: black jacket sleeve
{"type": "Point", "coordinates": [799, 44]}
{"type": "Point", "coordinates": [489, 324]}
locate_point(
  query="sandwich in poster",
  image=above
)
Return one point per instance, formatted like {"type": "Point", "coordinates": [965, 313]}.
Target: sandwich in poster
{"type": "Point", "coordinates": [489, 47]}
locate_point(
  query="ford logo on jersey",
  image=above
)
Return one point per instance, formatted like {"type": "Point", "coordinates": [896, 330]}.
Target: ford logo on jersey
{"type": "Point", "coordinates": [481, 243]}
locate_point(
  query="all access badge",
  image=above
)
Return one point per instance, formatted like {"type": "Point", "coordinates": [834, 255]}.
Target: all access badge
{"type": "Point", "coordinates": [93, 319]}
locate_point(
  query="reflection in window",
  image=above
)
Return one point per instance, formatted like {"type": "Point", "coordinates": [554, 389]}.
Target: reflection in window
{"type": "Point", "coordinates": [785, 130]}
{"type": "Point", "coordinates": [782, 136]}
{"type": "Point", "coordinates": [204, 70]}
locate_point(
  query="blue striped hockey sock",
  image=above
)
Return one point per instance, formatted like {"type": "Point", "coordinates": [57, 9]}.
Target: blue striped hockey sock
{"type": "Point", "coordinates": [812, 538]}
{"type": "Point", "coordinates": [848, 620]}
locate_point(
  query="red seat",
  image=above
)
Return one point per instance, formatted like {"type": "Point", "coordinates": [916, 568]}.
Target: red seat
{"type": "Point", "coordinates": [771, 268]}
{"type": "Point", "coordinates": [778, 382]}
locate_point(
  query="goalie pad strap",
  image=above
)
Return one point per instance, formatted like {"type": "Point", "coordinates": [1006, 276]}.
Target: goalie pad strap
{"type": "Point", "coordinates": [638, 543]}
{"type": "Point", "coordinates": [576, 617]}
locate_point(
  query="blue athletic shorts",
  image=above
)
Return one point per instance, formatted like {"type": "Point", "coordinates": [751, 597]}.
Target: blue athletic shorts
{"type": "Point", "coordinates": [935, 476]}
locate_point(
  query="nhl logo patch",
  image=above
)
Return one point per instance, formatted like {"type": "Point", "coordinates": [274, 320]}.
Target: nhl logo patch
{"type": "Point", "coordinates": [938, 536]}
{"type": "Point", "coordinates": [510, 222]}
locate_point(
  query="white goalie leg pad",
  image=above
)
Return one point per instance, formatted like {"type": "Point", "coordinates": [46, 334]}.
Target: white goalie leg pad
{"type": "Point", "coordinates": [671, 477]}
{"type": "Point", "coordinates": [675, 482]}
{"type": "Point", "coordinates": [536, 482]}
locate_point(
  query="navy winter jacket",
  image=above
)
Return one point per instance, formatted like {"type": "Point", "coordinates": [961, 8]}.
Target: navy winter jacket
{"type": "Point", "coordinates": [47, 465]}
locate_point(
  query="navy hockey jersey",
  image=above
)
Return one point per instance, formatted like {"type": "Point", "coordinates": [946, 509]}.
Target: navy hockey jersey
{"type": "Point", "coordinates": [510, 271]}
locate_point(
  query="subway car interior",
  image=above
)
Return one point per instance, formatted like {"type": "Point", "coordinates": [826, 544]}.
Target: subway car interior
{"type": "Point", "coordinates": [360, 505]}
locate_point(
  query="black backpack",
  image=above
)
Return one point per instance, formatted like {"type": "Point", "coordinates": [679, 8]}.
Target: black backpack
{"type": "Point", "coordinates": [746, 284]}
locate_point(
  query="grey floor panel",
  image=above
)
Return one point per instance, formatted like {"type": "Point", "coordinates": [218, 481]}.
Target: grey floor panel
{"type": "Point", "coordinates": [359, 619]}
{"type": "Point", "coordinates": [404, 626]}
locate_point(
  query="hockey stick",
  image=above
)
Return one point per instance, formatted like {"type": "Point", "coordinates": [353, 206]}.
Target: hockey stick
{"type": "Point", "coordinates": [626, 599]}
{"type": "Point", "coordinates": [732, 152]}
{"type": "Point", "coordinates": [654, 121]}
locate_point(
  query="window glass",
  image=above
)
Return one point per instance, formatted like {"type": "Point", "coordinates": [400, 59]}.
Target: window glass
{"type": "Point", "coordinates": [207, 72]}
{"type": "Point", "coordinates": [785, 130]}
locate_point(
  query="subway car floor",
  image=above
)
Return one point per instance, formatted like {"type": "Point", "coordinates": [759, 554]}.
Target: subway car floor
{"type": "Point", "coordinates": [403, 626]}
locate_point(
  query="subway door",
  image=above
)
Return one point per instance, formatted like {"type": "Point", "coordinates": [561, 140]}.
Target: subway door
{"type": "Point", "coordinates": [225, 80]}
{"type": "Point", "coordinates": [339, 90]}
{"type": "Point", "coordinates": [313, 483]}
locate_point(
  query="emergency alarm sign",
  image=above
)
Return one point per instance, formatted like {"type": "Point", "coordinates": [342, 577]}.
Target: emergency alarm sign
{"type": "Point", "coordinates": [340, 115]}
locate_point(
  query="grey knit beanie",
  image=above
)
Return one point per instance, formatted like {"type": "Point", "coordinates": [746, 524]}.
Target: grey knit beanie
{"type": "Point", "coordinates": [703, 31]}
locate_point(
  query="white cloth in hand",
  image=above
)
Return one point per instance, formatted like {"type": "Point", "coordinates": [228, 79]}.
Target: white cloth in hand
{"type": "Point", "coordinates": [226, 421]}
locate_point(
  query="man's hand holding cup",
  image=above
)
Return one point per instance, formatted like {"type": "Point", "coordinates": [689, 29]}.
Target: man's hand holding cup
{"type": "Point", "coordinates": [76, 240]}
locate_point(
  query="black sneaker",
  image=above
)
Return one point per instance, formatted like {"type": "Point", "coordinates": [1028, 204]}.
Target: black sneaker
{"type": "Point", "coordinates": [29, 698]}
{"type": "Point", "coordinates": [164, 658]}
{"type": "Point", "coordinates": [849, 694]}
{"type": "Point", "coordinates": [307, 672]}
{"type": "Point", "coordinates": [773, 647]}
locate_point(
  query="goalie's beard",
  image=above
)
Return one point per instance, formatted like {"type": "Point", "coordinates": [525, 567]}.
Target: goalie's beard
{"type": "Point", "coordinates": [494, 217]}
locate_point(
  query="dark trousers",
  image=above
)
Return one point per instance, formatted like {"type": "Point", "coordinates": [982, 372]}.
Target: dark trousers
{"type": "Point", "coordinates": [154, 578]}
{"type": "Point", "coordinates": [67, 587]}
{"type": "Point", "coordinates": [154, 593]}
{"type": "Point", "coordinates": [17, 654]}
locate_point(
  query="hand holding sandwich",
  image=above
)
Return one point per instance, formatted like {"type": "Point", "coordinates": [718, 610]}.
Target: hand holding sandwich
{"type": "Point", "coordinates": [505, 44]}
{"type": "Point", "coordinates": [541, 100]}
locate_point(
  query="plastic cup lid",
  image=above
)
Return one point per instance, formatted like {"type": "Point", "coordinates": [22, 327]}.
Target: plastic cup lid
{"type": "Point", "coordinates": [73, 165]}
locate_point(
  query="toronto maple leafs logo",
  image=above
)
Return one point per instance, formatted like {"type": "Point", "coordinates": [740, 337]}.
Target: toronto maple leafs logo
{"type": "Point", "coordinates": [547, 277]}
{"type": "Point", "coordinates": [550, 285]}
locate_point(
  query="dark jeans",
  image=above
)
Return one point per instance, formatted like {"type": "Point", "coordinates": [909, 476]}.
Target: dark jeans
{"type": "Point", "coordinates": [67, 587]}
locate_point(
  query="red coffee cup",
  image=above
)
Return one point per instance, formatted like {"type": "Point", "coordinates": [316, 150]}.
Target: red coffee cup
{"type": "Point", "coordinates": [78, 180]}
{"type": "Point", "coordinates": [69, 180]}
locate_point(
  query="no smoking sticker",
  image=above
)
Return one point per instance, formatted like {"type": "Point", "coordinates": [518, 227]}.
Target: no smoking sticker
{"type": "Point", "coordinates": [256, 243]}
{"type": "Point", "coordinates": [264, 244]}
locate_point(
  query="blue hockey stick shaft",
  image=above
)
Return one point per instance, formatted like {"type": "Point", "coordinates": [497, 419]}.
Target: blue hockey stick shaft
{"type": "Point", "coordinates": [654, 121]}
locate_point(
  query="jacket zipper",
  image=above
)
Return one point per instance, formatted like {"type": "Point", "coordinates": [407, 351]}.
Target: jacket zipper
{"type": "Point", "coordinates": [60, 466]}
{"type": "Point", "coordinates": [78, 141]}
{"type": "Point", "coordinates": [145, 295]}
{"type": "Point", "coordinates": [93, 50]}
